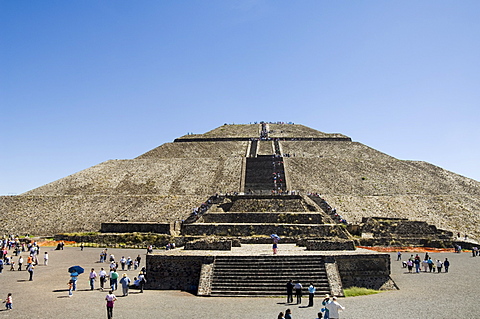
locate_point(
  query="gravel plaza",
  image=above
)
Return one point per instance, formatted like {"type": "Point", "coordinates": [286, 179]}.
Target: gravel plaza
{"type": "Point", "coordinates": [424, 295]}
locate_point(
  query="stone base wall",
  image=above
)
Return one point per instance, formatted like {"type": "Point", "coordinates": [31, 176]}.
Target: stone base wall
{"type": "Point", "coordinates": [370, 271]}
{"type": "Point", "coordinates": [193, 273]}
{"type": "Point", "coordinates": [330, 245]}
{"type": "Point", "coordinates": [175, 272]}
{"type": "Point", "coordinates": [129, 227]}
{"type": "Point", "coordinates": [290, 218]}
{"type": "Point", "coordinates": [282, 230]}
{"type": "Point", "coordinates": [209, 245]}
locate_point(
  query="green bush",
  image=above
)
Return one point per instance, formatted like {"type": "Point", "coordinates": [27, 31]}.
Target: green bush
{"type": "Point", "coordinates": [359, 291]}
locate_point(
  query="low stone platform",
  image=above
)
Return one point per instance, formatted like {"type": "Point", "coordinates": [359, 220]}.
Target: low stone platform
{"type": "Point", "coordinates": [194, 270]}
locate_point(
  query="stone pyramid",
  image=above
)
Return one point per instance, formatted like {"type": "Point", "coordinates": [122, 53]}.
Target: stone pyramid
{"type": "Point", "coordinates": [166, 183]}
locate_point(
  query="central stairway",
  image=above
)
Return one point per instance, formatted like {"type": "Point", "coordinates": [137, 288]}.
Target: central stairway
{"type": "Point", "coordinates": [238, 276]}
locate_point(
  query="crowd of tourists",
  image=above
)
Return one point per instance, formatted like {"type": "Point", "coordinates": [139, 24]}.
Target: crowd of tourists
{"type": "Point", "coordinates": [427, 264]}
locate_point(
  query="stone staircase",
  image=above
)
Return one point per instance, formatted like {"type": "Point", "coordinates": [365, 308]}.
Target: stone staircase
{"type": "Point", "coordinates": [238, 276]}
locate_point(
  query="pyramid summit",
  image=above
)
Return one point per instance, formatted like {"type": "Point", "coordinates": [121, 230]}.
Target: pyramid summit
{"type": "Point", "coordinates": [167, 182]}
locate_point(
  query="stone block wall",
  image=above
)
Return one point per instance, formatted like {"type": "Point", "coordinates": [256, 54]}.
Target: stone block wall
{"type": "Point", "coordinates": [290, 218]}
{"type": "Point", "coordinates": [323, 231]}
{"type": "Point", "coordinates": [209, 245]}
{"type": "Point", "coordinates": [175, 272]}
{"type": "Point", "coordinates": [330, 245]}
{"type": "Point", "coordinates": [368, 270]}
{"type": "Point", "coordinates": [128, 227]}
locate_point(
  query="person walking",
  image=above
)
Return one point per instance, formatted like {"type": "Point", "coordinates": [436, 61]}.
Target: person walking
{"type": "Point", "coordinates": [45, 259]}
{"type": "Point", "coordinates": [125, 281]}
{"type": "Point", "coordinates": [333, 308]}
{"type": "Point", "coordinates": [9, 302]}
{"type": "Point", "coordinates": [290, 291]}
{"type": "Point", "coordinates": [113, 279]}
{"type": "Point", "coordinates": [298, 292]}
{"type": "Point", "coordinates": [288, 314]}
{"type": "Point", "coordinates": [103, 277]}
{"type": "Point", "coordinates": [311, 294]}
{"type": "Point", "coordinates": [70, 287]}
{"type": "Point", "coordinates": [92, 277]}
{"type": "Point", "coordinates": [110, 298]}
{"type": "Point", "coordinates": [20, 263]}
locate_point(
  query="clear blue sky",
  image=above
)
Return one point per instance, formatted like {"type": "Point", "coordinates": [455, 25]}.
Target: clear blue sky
{"type": "Point", "coordinates": [82, 82]}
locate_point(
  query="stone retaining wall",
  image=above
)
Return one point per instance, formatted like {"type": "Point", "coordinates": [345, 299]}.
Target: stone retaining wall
{"type": "Point", "coordinates": [330, 245]}
{"type": "Point", "coordinates": [129, 227]}
{"type": "Point", "coordinates": [369, 271]}
{"type": "Point", "coordinates": [290, 218]}
{"type": "Point", "coordinates": [209, 245]}
{"type": "Point", "coordinates": [175, 272]}
{"type": "Point", "coordinates": [324, 231]}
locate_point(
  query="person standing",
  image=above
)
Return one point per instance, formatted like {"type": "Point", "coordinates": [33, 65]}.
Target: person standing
{"type": "Point", "coordinates": [311, 294]}
{"type": "Point", "coordinates": [298, 292]}
{"type": "Point", "coordinates": [20, 263]}
{"type": "Point", "coordinates": [30, 269]}
{"type": "Point", "coordinates": [92, 277]}
{"type": "Point", "coordinates": [325, 302]}
{"type": "Point", "coordinates": [439, 265]}
{"type": "Point", "coordinates": [110, 298]}
{"type": "Point", "coordinates": [125, 281]}
{"type": "Point", "coordinates": [290, 291]}
{"type": "Point", "coordinates": [142, 281]}
{"type": "Point", "coordinates": [288, 314]}
{"type": "Point", "coordinates": [399, 255]}
{"type": "Point", "coordinates": [333, 308]}
{"type": "Point", "coordinates": [446, 263]}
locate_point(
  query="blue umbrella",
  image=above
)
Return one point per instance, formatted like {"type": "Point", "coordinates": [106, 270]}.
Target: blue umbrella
{"type": "Point", "coordinates": [76, 269]}
{"type": "Point", "coordinates": [275, 236]}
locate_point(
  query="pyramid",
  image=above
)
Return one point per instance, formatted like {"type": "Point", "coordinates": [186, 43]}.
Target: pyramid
{"type": "Point", "coordinates": [167, 182]}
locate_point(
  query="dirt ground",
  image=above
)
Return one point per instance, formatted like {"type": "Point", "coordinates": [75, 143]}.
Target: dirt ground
{"type": "Point", "coordinates": [425, 295]}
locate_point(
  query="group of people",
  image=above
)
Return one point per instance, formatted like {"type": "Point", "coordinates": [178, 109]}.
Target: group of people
{"type": "Point", "coordinates": [297, 287]}
{"type": "Point", "coordinates": [330, 306]}
{"type": "Point", "coordinates": [428, 264]}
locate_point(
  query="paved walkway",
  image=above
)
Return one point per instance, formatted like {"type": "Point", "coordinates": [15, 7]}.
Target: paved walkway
{"type": "Point", "coordinates": [452, 295]}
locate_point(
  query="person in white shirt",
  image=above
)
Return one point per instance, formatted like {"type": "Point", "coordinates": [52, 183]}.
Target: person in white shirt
{"type": "Point", "coordinates": [333, 308]}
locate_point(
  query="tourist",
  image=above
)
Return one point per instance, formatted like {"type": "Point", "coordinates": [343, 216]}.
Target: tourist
{"type": "Point", "coordinates": [425, 265]}
{"type": "Point", "coordinates": [113, 279]}
{"type": "Point", "coordinates": [290, 291]}
{"type": "Point", "coordinates": [333, 308]}
{"type": "Point", "coordinates": [399, 255]}
{"type": "Point", "coordinates": [103, 277]}
{"type": "Point", "coordinates": [142, 281]}
{"type": "Point", "coordinates": [298, 292]}
{"type": "Point", "coordinates": [430, 264]}
{"type": "Point", "coordinates": [70, 287]}
{"type": "Point", "coordinates": [74, 278]}
{"type": "Point", "coordinates": [92, 276]}
{"type": "Point", "coordinates": [280, 316]}
{"type": "Point", "coordinates": [125, 282]}
{"type": "Point", "coordinates": [123, 261]}
{"type": "Point", "coordinates": [417, 264]}
{"type": "Point", "coordinates": [110, 298]}
{"type": "Point", "coordinates": [439, 265]}
{"type": "Point", "coordinates": [129, 263]}
{"type": "Point", "coordinates": [446, 263]}
{"type": "Point", "coordinates": [30, 269]}
{"type": "Point", "coordinates": [311, 294]}
{"type": "Point", "coordinates": [45, 259]}
{"type": "Point", "coordinates": [410, 265]}
{"type": "Point", "coordinates": [288, 314]}
{"type": "Point", "coordinates": [8, 302]}
{"type": "Point", "coordinates": [20, 263]}
{"type": "Point", "coordinates": [325, 302]}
